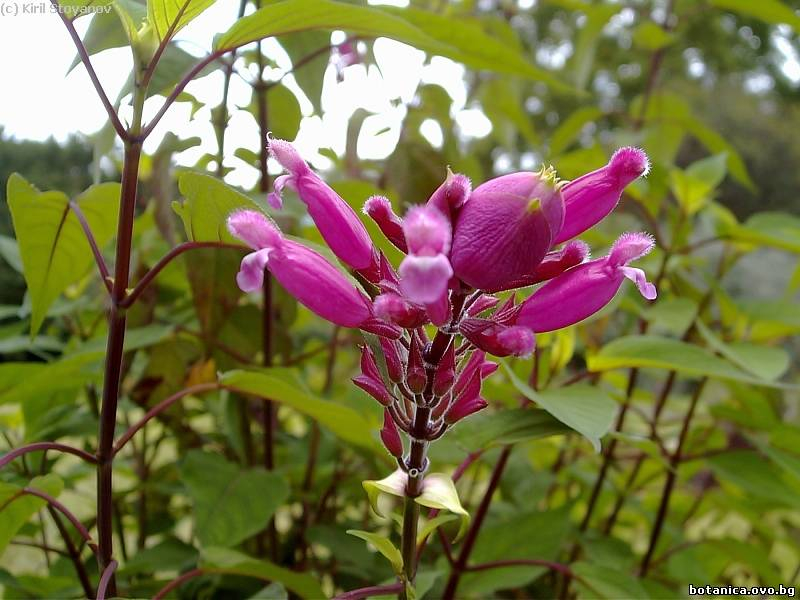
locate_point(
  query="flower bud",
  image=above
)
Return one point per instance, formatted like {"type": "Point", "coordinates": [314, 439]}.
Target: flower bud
{"type": "Point", "coordinates": [452, 194]}
{"type": "Point", "coordinates": [306, 275]}
{"type": "Point", "coordinates": [337, 222]}
{"type": "Point", "coordinates": [390, 436]}
{"type": "Point", "coordinates": [445, 373]}
{"type": "Point", "coordinates": [468, 401]}
{"type": "Point", "coordinates": [498, 339]}
{"type": "Point", "coordinates": [394, 363]}
{"type": "Point", "coordinates": [370, 379]}
{"type": "Point", "coordinates": [393, 308]}
{"type": "Point", "coordinates": [583, 290]}
{"type": "Point", "coordinates": [505, 229]}
{"type": "Point", "coordinates": [379, 209]}
{"type": "Point", "coordinates": [416, 378]}
{"type": "Point", "coordinates": [484, 302]}
{"type": "Point", "coordinates": [591, 197]}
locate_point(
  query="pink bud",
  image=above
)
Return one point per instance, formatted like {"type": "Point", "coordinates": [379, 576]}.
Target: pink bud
{"type": "Point", "coordinates": [394, 363]}
{"type": "Point", "coordinates": [416, 378]}
{"type": "Point", "coordinates": [338, 223]}
{"type": "Point", "coordinates": [390, 436]}
{"type": "Point", "coordinates": [445, 373]}
{"type": "Point", "coordinates": [379, 209]}
{"type": "Point", "coordinates": [473, 365]}
{"type": "Point", "coordinates": [370, 379]}
{"type": "Point", "coordinates": [505, 229]}
{"type": "Point", "coordinates": [306, 275]}
{"type": "Point", "coordinates": [484, 302]}
{"type": "Point", "coordinates": [393, 308]}
{"type": "Point", "coordinates": [590, 198]}
{"type": "Point", "coordinates": [583, 290]}
{"type": "Point", "coordinates": [497, 339]}
{"type": "Point", "coordinates": [468, 402]}
{"type": "Point", "coordinates": [452, 194]}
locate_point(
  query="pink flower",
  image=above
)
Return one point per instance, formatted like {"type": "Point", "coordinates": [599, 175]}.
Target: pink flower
{"type": "Point", "coordinates": [306, 275]}
{"type": "Point", "coordinates": [590, 198]}
{"type": "Point", "coordinates": [583, 290]}
{"type": "Point", "coordinates": [505, 229]}
{"type": "Point", "coordinates": [452, 194]}
{"type": "Point", "coordinates": [370, 379]}
{"type": "Point", "coordinates": [338, 223]}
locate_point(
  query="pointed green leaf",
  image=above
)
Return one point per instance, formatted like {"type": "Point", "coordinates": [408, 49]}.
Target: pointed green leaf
{"type": "Point", "coordinates": [52, 245]}
{"type": "Point", "coordinates": [773, 12]}
{"type": "Point", "coordinates": [394, 484]}
{"type": "Point", "coordinates": [439, 491]}
{"type": "Point", "coordinates": [586, 409]}
{"type": "Point", "coordinates": [207, 204]}
{"type": "Point", "coordinates": [169, 16]}
{"type": "Point", "coordinates": [382, 545]}
{"type": "Point", "coordinates": [283, 385]}
{"type": "Point", "coordinates": [230, 503]}
{"type": "Point", "coordinates": [224, 560]}
{"type": "Point", "coordinates": [432, 525]}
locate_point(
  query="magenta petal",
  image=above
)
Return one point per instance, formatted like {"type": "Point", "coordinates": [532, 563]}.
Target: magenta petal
{"type": "Point", "coordinates": [289, 158]}
{"type": "Point", "coordinates": [452, 194]}
{"type": "Point", "coordinates": [379, 209]}
{"type": "Point", "coordinates": [251, 273]}
{"type": "Point", "coordinates": [393, 308]}
{"type": "Point", "coordinates": [590, 198]}
{"type": "Point", "coordinates": [427, 231]}
{"type": "Point", "coordinates": [275, 198]}
{"type": "Point", "coordinates": [439, 311]}
{"type": "Point", "coordinates": [423, 279]}
{"type": "Point", "coordinates": [375, 388]}
{"type": "Point", "coordinates": [630, 246]}
{"type": "Point", "coordinates": [253, 228]}
{"type": "Point", "coordinates": [646, 289]}
{"type": "Point", "coordinates": [390, 436]}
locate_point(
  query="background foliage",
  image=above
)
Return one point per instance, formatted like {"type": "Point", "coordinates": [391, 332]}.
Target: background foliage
{"type": "Point", "coordinates": [694, 396]}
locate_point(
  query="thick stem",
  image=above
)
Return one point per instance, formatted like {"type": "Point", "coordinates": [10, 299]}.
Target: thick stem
{"type": "Point", "coordinates": [116, 340]}
{"type": "Point", "coordinates": [409, 540]}
{"type": "Point", "coordinates": [472, 535]}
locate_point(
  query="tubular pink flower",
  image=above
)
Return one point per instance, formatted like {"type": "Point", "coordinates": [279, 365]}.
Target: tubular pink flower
{"type": "Point", "coordinates": [305, 274]}
{"type": "Point", "coordinates": [505, 229]}
{"type": "Point", "coordinates": [583, 290]}
{"type": "Point", "coordinates": [338, 223]}
{"type": "Point", "coordinates": [427, 231]}
{"type": "Point", "coordinates": [390, 436]}
{"type": "Point", "coordinates": [393, 308]}
{"type": "Point", "coordinates": [426, 271]}
{"type": "Point", "coordinates": [379, 209]}
{"type": "Point", "coordinates": [424, 279]}
{"type": "Point", "coordinates": [591, 197]}
{"type": "Point", "coordinates": [452, 194]}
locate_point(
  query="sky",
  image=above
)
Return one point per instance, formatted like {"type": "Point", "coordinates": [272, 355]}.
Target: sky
{"type": "Point", "coordinates": [40, 100]}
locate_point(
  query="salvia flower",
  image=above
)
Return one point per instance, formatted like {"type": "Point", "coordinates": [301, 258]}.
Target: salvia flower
{"type": "Point", "coordinates": [305, 274]}
{"type": "Point", "coordinates": [583, 290]}
{"type": "Point", "coordinates": [590, 198]}
{"type": "Point", "coordinates": [505, 229]}
{"type": "Point", "coordinates": [338, 223]}
{"type": "Point", "coordinates": [461, 247]}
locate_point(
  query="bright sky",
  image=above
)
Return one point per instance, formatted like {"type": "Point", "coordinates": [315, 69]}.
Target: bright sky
{"type": "Point", "coordinates": [38, 101]}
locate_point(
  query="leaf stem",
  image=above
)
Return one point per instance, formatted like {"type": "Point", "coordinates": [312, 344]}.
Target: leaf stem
{"type": "Point", "coordinates": [105, 578]}
{"type": "Point", "coordinates": [41, 446]}
{"type": "Point", "coordinates": [374, 590]}
{"type": "Point", "coordinates": [98, 256]}
{"type": "Point", "coordinates": [74, 554]}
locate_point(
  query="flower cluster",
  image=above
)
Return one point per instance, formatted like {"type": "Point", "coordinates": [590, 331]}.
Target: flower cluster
{"type": "Point", "coordinates": [461, 248]}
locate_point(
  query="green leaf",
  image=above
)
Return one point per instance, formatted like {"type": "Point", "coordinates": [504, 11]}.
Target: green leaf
{"type": "Point", "coordinates": [81, 8]}
{"type": "Point", "coordinates": [17, 510]}
{"type": "Point", "coordinates": [584, 408]}
{"type": "Point", "coordinates": [170, 554]}
{"type": "Point", "coordinates": [715, 143]}
{"type": "Point", "coordinates": [224, 560]}
{"type": "Point", "coordinates": [169, 16]}
{"type": "Point", "coordinates": [650, 351]}
{"type": "Point", "coordinates": [230, 503]}
{"type": "Point", "coordinates": [432, 525]}
{"type": "Point", "coordinates": [459, 39]}
{"type": "Point", "coordinates": [283, 112]}
{"type": "Point", "coordinates": [439, 491]}
{"type": "Point", "coordinates": [567, 131]}
{"type": "Point", "coordinates": [765, 362]}
{"type": "Point", "coordinates": [598, 581]}
{"type": "Point", "coordinates": [649, 36]}
{"type": "Point", "coordinates": [586, 44]}
{"type": "Point", "coordinates": [172, 66]}
{"type": "Point", "coordinates": [9, 250]}
{"type": "Point", "coordinates": [693, 187]}
{"type": "Point", "coordinates": [776, 229]}
{"type": "Point", "coordinates": [755, 476]}
{"type": "Point", "coordinates": [207, 204]}
{"type": "Point", "coordinates": [52, 245]}
{"type": "Point", "coordinates": [506, 426]}
{"type": "Point", "coordinates": [382, 545]}
{"type": "Point", "coordinates": [114, 29]}
{"type": "Point", "coordinates": [310, 77]}
{"type": "Point", "coordinates": [283, 386]}
{"type": "Point", "coordinates": [773, 12]}
{"type": "Point", "coordinates": [503, 105]}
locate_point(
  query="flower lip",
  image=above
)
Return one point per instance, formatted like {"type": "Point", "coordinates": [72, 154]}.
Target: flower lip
{"type": "Point", "coordinates": [289, 158]}
{"type": "Point", "coordinates": [629, 247]}
{"type": "Point", "coordinates": [628, 163]}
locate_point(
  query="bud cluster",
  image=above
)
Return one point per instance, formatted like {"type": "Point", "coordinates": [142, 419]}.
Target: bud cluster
{"type": "Point", "coordinates": [461, 248]}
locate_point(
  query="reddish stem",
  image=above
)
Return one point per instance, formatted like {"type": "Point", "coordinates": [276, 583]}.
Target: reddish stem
{"type": "Point", "coordinates": [37, 446]}
{"type": "Point", "coordinates": [84, 533]}
{"type": "Point", "coordinates": [105, 578]}
{"type": "Point", "coordinates": [98, 256]}
{"type": "Point", "coordinates": [177, 582]}
{"type": "Point", "coordinates": [375, 590]}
